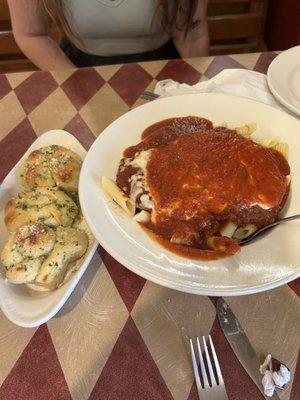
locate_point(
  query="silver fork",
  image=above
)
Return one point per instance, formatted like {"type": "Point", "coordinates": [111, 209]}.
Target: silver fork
{"type": "Point", "coordinates": [209, 386]}
{"type": "Point", "coordinates": [148, 95]}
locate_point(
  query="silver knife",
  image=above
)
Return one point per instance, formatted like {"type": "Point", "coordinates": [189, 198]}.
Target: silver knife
{"type": "Point", "coordinates": [240, 345]}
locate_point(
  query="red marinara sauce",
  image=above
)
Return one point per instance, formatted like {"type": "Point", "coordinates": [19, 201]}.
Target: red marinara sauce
{"type": "Point", "coordinates": [200, 177]}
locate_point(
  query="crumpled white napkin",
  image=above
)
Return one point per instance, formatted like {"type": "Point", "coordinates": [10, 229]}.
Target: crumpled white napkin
{"type": "Point", "coordinates": [238, 82]}
{"type": "Point", "coordinates": [273, 379]}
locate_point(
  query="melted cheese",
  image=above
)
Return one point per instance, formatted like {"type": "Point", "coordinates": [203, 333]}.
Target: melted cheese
{"type": "Point", "coordinates": [138, 182]}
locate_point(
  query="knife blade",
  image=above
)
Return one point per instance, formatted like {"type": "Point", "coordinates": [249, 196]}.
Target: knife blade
{"type": "Point", "coordinates": [240, 345]}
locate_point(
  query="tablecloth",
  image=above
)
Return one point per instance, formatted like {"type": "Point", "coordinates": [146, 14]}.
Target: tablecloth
{"type": "Point", "coordinates": [119, 336]}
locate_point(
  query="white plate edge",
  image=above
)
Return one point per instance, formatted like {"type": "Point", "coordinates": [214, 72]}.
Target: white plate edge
{"type": "Point", "coordinates": [272, 88]}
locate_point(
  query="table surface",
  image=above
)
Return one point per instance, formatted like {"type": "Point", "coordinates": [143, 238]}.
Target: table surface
{"type": "Point", "coordinates": [119, 336]}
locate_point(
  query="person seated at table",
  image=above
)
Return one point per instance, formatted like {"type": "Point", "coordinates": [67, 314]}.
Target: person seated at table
{"type": "Point", "coordinates": [98, 32]}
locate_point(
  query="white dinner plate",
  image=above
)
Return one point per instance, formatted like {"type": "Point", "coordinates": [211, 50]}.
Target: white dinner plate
{"type": "Point", "coordinates": [284, 78]}
{"type": "Point", "coordinates": [266, 263]}
{"type": "Point", "coordinates": [15, 300]}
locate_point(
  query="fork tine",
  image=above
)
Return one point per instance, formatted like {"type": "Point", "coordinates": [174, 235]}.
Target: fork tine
{"type": "Point", "coordinates": [195, 367]}
{"type": "Point", "coordinates": [210, 369]}
{"type": "Point", "coordinates": [216, 361]}
{"type": "Point", "coordinates": [202, 366]}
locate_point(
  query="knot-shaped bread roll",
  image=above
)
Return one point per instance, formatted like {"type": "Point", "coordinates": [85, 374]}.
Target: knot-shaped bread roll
{"type": "Point", "coordinates": [24, 252]}
{"type": "Point", "coordinates": [40, 255]}
{"type": "Point", "coordinates": [52, 166]}
{"type": "Point", "coordinates": [50, 206]}
{"type": "Point", "coordinates": [70, 245]}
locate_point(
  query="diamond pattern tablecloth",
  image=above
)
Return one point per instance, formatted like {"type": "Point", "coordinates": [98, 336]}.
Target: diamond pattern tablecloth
{"type": "Point", "coordinates": [119, 336]}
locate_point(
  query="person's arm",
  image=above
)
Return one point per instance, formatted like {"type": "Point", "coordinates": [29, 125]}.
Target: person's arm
{"type": "Point", "coordinates": [30, 30]}
{"type": "Point", "coordinates": [196, 42]}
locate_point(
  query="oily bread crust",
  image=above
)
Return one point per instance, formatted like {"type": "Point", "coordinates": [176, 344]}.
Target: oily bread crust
{"type": "Point", "coordinates": [70, 245]}
{"type": "Point", "coordinates": [52, 166]}
{"type": "Point", "coordinates": [24, 272]}
{"type": "Point", "coordinates": [39, 256]}
{"type": "Point", "coordinates": [65, 167]}
{"type": "Point", "coordinates": [50, 206]}
{"type": "Point", "coordinates": [24, 252]}
{"type": "Point", "coordinates": [35, 171]}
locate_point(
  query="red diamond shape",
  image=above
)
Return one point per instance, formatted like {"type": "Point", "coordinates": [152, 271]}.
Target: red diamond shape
{"type": "Point", "coordinates": [35, 89]}
{"type": "Point", "coordinates": [129, 81]}
{"type": "Point", "coordinates": [4, 86]}
{"type": "Point", "coordinates": [179, 71]}
{"type": "Point", "coordinates": [81, 86]}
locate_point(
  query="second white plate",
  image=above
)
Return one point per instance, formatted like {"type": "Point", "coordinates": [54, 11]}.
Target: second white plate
{"type": "Point", "coordinates": [284, 78]}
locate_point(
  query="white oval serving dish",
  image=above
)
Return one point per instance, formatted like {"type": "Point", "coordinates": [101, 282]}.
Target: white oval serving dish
{"type": "Point", "coordinates": [15, 301]}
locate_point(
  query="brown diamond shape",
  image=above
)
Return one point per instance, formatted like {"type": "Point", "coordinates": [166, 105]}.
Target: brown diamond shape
{"type": "Point", "coordinates": [179, 71]}
{"type": "Point", "coordinates": [295, 286]}
{"type": "Point", "coordinates": [4, 86]}
{"type": "Point", "coordinates": [35, 89]}
{"type": "Point", "coordinates": [129, 82]}
{"type": "Point", "coordinates": [81, 86]}
{"type": "Point", "coordinates": [128, 284]}
{"type": "Point", "coordinates": [130, 371]}
{"type": "Point", "coordinates": [101, 252]}
{"type": "Point", "coordinates": [81, 131]}
{"type": "Point", "coordinates": [219, 63]}
{"type": "Point", "coordinates": [14, 145]}
{"type": "Point", "coordinates": [296, 382]}
{"type": "Point", "coordinates": [37, 375]}
{"type": "Point", "coordinates": [264, 61]}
